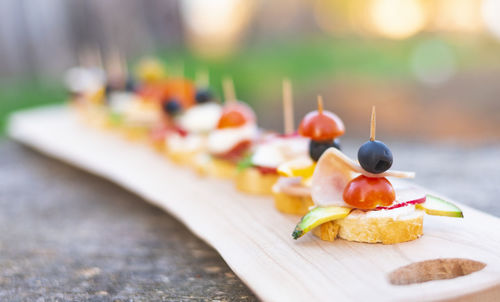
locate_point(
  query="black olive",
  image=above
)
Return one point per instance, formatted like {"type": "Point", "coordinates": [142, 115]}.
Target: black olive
{"type": "Point", "coordinates": [172, 107]}
{"type": "Point", "coordinates": [336, 144]}
{"type": "Point", "coordinates": [130, 84]}
{"type": "Point", "coordinates": [107, 90]}
{"type": "Point", "coordinates": [204, 95]}
{"type": "Point", "coordinates": [375, 157]}
{"type": "Point", "coordinates": [317, 148]}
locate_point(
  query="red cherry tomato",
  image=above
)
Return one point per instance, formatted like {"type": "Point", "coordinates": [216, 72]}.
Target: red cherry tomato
{"type": "Point", "coordinates": [369, 192]}
{"type": "Point", "coordinates": [180, 89]}
{"type": "Point", "coordinates": [321, 126]}
{"type": "Point", "coordinates": [235, 114]}
{"type": "Point", "coordinates": [151, 91]}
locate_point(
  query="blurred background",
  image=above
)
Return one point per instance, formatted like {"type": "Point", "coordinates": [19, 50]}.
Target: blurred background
{"type": "Point", "coordinates": [432, 67]}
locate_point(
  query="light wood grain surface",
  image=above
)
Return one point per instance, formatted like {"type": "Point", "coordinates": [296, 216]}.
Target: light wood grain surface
{"type": "Point", "coordinates": [255, 240]}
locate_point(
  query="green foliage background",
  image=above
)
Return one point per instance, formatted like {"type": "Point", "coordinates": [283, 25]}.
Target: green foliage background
{"type": "Point", "coordinates": [257, 69]}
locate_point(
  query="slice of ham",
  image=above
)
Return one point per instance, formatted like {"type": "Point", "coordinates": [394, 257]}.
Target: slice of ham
{"type": "Point", "coordinates": [333, 154]}
{"type": "Point", "coordinates": [333, 171]}
{"type": "Point", "coordinates": [266, 170]}
{"type": "Point", "coordinates": [158, 133]}
{"type": "Point", "coordinates": [235, 153]}
{"type": "Point", "coordinates": [291, 186]}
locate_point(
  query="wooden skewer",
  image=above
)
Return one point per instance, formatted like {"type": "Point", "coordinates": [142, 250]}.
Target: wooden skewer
{"type": "Point", "coordinates": [180, 69]}
{"type": "Point", "coordinates": [123, 65]}
{"type": "Point", "coordinates": [228, 88]}
{"type": "Point", "coordinates": [202, 78]}
{"type": "Point", "coordinates": [80, 56]}
{"type": "Point", "coordinates": [86, 57]}
{"type": "Point", "coordinates": [288, 114]}
{"type": "Point", "coordinates": [373, 125]}
{"type": "Point", "coordinates": [181, 74]}
{"type": "Point", "coordinates": [320, 104]}
{"type": "Point", "coordinates": [114, 63]}
{"type": "Point", "coordinates": [97, 56]}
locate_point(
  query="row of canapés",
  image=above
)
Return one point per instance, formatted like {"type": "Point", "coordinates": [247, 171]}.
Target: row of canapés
{"type": "Point", "coordinates": [303, 170]}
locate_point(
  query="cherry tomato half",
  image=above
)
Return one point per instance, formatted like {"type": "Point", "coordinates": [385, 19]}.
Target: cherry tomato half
{"type": "Point", "coordinates": [369, 192]}
{"type": "Point", "coordinates": [235, 114]}
{"type": "Point", "coordinates": [179, 89]}
{"type": "Point", "coordinates": [321, 126]}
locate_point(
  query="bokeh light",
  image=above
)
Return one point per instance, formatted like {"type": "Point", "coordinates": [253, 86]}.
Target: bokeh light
{"type": "Point", "coordinates": [490, 11]}
{"type": "Point", "coordinates": [333, 16]}
{"type": "Point", "coordinates": [433, 62]}
{"type": "Point", "coordinates": [215, 26]}
{"type": "Point", "coordinates": [458, 15]}
{"type": "Point", "coordinates": [398, 19]}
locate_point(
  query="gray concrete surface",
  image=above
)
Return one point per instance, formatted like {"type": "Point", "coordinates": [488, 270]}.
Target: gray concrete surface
{"type": "Point", "coordinates": [67, 235]}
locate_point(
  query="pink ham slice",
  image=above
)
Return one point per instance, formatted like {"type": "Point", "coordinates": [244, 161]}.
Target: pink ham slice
{"type": "Point", "coordinates": [291, 186]}
{"type": "Point", "coordinates": [334, 170]}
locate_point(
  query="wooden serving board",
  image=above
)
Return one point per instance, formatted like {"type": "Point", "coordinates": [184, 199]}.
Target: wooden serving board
{"type": "Point", "coordinates": [255, 240]}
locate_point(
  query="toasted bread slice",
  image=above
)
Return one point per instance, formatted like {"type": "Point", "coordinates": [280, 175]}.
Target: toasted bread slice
{"type": "Point", "coordinates": [361, 227]}
{"type": "Point", "coordinates": [252, 181]}
{"type": "Point", "coordinates": [93, 115]}
{"type": "Point", "coordinates": [135, 133]}
{"type": "Point", "coordinates": [181, 158]}
{"type": "Point", "coordinates": [158, 145]}
{"type": "Point", "coordinates": [218, 168]}
{"type": "Point", "coordinates": [290, 204]}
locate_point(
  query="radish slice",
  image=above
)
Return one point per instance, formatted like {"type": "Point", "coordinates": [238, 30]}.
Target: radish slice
{"type": "Point", "coordinates": [405, 197]}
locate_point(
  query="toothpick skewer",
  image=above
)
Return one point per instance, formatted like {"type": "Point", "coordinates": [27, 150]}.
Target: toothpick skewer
{"type": "Point", "coordinates": [181, 73]}
{"type": "Point", "coordinates": [202, 78]}
{"type": "Point", "coordinates": [85, 57]}
{"type": "Point", "coordinates": [373, 125]}
{"type": "Point", "coordinates": [98, 57]}
{"type": "Point", "coordinates": [228, 88]}
{"type": "Point", "coordinates": [123, 65]}
{"type": "Point", "coordinates": [288, 107]}
{"type": "Point", "coordinates": [80, 57]}
{"type": "Point", "coordinates": [113, 64]}
{"type": "Point", "coordinates": [180, 69]}
{"type": "Point", "coordinates": [320, 104]}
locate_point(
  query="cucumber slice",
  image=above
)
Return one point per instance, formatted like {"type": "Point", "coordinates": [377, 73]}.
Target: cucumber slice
{"type": "Point", "coordinates": [317, 216]}
{"type": "Point", "coordinates": [115, 118]}
{"type": "Point", "coordinates": [436, 206]}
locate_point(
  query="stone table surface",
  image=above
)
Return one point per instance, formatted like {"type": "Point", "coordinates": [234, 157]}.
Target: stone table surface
{"type": "Point", "coordinates": [67, 235]}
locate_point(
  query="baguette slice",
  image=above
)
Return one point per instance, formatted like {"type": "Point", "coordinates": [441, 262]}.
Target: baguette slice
{"type": "Point", "coordinates": [252, 181]}
{"type": "Point", "coordinates": [158, 145]}
{"type": "Point", "coordinates": [292, 204]}
{"type": "Point", "coordinates": [182, 158]}
{"type": "Point", "coordinates": [219, 168]}
{"type": "Point", "coordinates": [361, 227]}
{"type": "Point", "coordinates": [291, 196]}
{"type": "Point", "coordinates": [135, 133]}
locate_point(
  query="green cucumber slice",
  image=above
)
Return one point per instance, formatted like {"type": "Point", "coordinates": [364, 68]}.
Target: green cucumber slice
{"type": "Point", "coordinates": [245, 163]}
{"type": "Point", "coordinates": [317, 216]}
{"type": "Point", "coordinates": [439, 207]}
{"type": "Point", "coordinates": [115, 118]}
